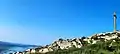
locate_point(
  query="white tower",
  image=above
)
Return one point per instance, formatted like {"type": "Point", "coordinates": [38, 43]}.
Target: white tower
{"type": "Point", "coordinates": [115, 25]}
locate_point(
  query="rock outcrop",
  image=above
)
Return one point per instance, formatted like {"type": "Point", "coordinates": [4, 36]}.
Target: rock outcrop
{"type": "Point", "coordinates": [75, 42]}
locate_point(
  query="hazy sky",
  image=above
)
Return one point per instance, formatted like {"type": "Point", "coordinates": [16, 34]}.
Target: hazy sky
{"type": "Point", "coordinates": [43, 21]}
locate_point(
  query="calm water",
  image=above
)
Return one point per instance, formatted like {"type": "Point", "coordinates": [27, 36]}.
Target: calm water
{"type": "Point", "coordinates": [6, 47]}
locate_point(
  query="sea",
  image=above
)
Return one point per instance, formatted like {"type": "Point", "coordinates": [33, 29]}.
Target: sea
{"type": "Point", "coordinates": [6, 47]}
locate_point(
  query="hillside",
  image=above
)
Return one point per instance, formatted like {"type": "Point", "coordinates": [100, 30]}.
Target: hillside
{"type": "Point", "coordinates": [102, 43]}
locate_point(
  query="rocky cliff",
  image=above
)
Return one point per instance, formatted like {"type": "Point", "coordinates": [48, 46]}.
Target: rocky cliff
{"type": "Point", "coordinates": [62, 44]}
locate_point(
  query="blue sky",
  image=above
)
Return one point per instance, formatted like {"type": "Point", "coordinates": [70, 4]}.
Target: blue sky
{"type": "Point", "coordinates": [43, 21]}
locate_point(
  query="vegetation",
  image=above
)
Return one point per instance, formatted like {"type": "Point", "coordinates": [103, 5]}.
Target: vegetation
{"type": "Point", "coordinates": [101, 47]}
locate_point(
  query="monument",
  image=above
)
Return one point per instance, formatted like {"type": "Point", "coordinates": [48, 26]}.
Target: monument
{"type": "Point", "coordinates": [115, 25]}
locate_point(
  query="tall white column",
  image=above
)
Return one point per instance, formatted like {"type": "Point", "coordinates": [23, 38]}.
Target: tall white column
{"type": "Point", "coordinates": [115, 25]}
